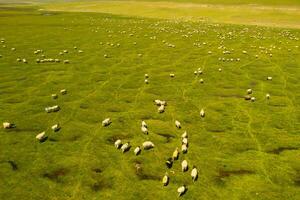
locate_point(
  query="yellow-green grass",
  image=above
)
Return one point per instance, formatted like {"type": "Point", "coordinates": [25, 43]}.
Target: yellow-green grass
{"type": "Point", "coordinates": [280, 16]}
{"type": "Point", "coordinates": [243, 150]}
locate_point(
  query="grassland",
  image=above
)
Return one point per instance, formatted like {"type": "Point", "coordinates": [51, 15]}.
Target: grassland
{"type": "Point", "coordinates": [243, 150]}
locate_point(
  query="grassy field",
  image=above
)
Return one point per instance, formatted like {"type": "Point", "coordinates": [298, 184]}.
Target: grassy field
{"type": "Point", "coordinates": [243, 150]}
{"type": "Point", "coordinates": [266, 15]}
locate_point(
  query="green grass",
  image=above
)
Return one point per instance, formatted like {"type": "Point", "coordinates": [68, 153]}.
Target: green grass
{"type": "Point", "coordinates": [243, 150]}
{"type": "Point", "coordinates": [266, 15]}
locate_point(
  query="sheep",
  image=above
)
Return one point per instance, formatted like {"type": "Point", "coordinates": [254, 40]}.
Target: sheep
{"type": "Point", "coordinates": [177, 124]}
{"type": "Point", "coordinates": [55, 127]}
{"type": "Point", "coordinates": [169, 163]}
{"type": "Point", "coordinates": [144, 130]}
{"type": "Point", "coordinates": [253, 99]}
{"type": "Point", "coordinates": [157, 102]}
{"type": "Point", "coordinates": [66, 61]}
{"type": "Point", "coordinates": [41, 136]}
{"type": "Point", "coordinates": [249, 91]}
{"type": "Point", "coordinates": [144, 124]}
{"type": "Point", "coordinates": [247, 97]}
{"type": "Point", "coordinates": [146, 76]}
{"type": "Point", "coordinates": [7, 125]}
{"type": "Point", "coordinates": [202, 113]}
{"type": "Point", "coordinates": [175, 154]}
{"type": "Point", "coordinates": [118, 144]}
{"type": "Point", "coordinates": [172, 75]}
{"type": "Point", "coordinates": [54, 96]}
{"type": "Point", "coordinates": [125, 147]}
{"type": "Point", "coordinates": [184, 148]}
{"type": "Point", "coordinates": [65, 51]}
{"type": "Point", "coordinates": [268, 96]}
{"type": "Point", "coordinates": [161, 109]}
{"type": "Point", "coordinates": [194, 174]}
{"type": "Point", "coordinates": [50, 109]}
{"type": "Point", "coordinates": [184, 166]}
{"type": "Point", "coordinates": [220, 69]}
{"type": "Point", "coordinates": [165, 179]}
{"type": "Point", "coordinates": [201, 80]}
{"type": "Point", "coordinates": [146, 81]}
{"type": "Point", "coordinates": [195, 72]}
{"type": "Point", "coordinates": [269, 78]}
{"type": "Point", "coordinates": [148, 145]}
{"type": "Point", "coordinates": [24, 60]}
{"type": "Point", "coordinates": [185, 141]}
{"type": "Point", "coordinates": [106, 122]}
{"type": "Point", "coordinates": [137, 150]}
{"type": "Point", "coordinates": [181, 190]}
{"type": "Point", "coordinates": [63, 91]}
{"type": "Point", "coordinates": [184, 135]}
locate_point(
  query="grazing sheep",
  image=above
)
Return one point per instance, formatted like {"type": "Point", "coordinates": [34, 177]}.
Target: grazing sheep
{"type": "Point", "coordinates": [137, 150]}
{"type": "Point", "coordinates": [55, 127]}
{"type": "Point", "coordinates": [269, 78]}
{"type": "Point", "coordinates": [24, 60]}
{"type": "Point", "coordinates": [19, 60]}
{"type": "Point", "coordinates": [52, 109]}
{"type": "Point", "coordinates": [202, 113]}
{"type": "Point", "coordinates": [249, 91]}
{"type": "Point", "coordinates": [146, 81]}
{"type": "Point", "coordinates": [165, 179]}
{"type": "Point", "coordinates": [169, 162]}
{"type": "Point", "coordinates": [253, 99]}
{"type": "Point", "coordinates": [161, 109]}
{"type": "Point", "coordinates": [201, 80]}
{"type": "Point", "coordinates": [106, 122]}
{"type": "Point", "coordinates": [144, 130]}
{"type": "Point", "coordinates": [7, 125]}
{"type": "Point", "coordinates": [247, 97]}
{"type": "Point", "coordinates": [118, 144]}
{"type": "Point", "coordinates": [220, 69]}
{"type": "Point", "coordinates": [268, 96]}
{"type": "Point", "coordinates": [41, 136]}
{"type": "Point", "coordinates": [177, 124]}
{"type": "Point", "coordinates": [146, 76]}
{"type": "Point", "coordinates": [13, 49]}
{"type": "Point", "coordinates": [66, 61]}
{"type": "Point", "coordinates": [148, 145]}
{"type": "Point", "coordinates": [63, 91]}
{"type": "Point", "coordinates": [194, 174]}
{"type": "Point", "coordinates": [125, 147]}
{"type": "Point", "coordinates": [175, 154]}
{"type": "Point", "coordinates": [144, 124]}
{"type": "Point", "coordinates": [195, 72]}
{"type": "Point", "coordinates": [181, 190]}
{"type": "Point", "coordinates": [184, 148]}
{"type": "Point", "coordinates": [157, 102]}
{"type": "Point", "coordinates": [54, 96]}
{"type": "Point", "coordinates": [172, 75]}
{"type": "Point", "coordinates": [184, 166]}
{"type": "Point", "coordinates": [184, 141]}
{"type": "Point", "coordinates": [184, 135]}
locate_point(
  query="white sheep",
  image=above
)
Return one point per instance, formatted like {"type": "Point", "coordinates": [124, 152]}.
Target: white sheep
{"type": "Point", "coordinates": [202, 113]}
{"type": "Point", "coordinates": [41, 136]}
{"type": "Point", "coordinates": [172, 75]}
{"type": "Point", "coordinates": [269, 78]}
{"type": "Point", "coordinates": [144, 130]}
{"type": "Point", "coordinates": [157, 102]}
{"type": "Point", "coordinates": [118, 143]}
{"type": "Point", "coordinates": [184, 148]}
{"type": "Point", "coordinates": [194, 174]}
{"type": "Point", "coordinates": [161, 109]}
{"type": "Point", "coordinates": [249, 91]}
{"type": "Point", "coordinates": [106, 122]}
{"type": "Point", "coordinates": [220, 69]}
{"type": "Point", "coordinates": [54, 96]}
{"type": "Point", "coordinates": [7, 125]}
{"type": "Point", "coordinates": [181, 190]}
{"type": "Point", "coordinates": [144, 124]}
{"type": "Point", "coordinates": [268, 96]}
{"type": "Point", "coordinates": [184, 141]}
{"type": "Point", "coordinates": [55, 127]}
{"type": "Point", "coordinates": [63, 91]}
{"type": "Point", "coordinates": [148, 145]}
{"type": "Point", "coordinates": [184, 135]}
{"type": "Point", "coordinates": [253, 99]}
{"type": "Point", "coordinates": [165, 179]}
{"type": "Point", "coordinates": [201, 80]}
{"type": "Point", "coordinates": [177, 124]}
{"type": "Point", "coordinates": [137, 150]}
{"type": "Point", "coordinates": [175, 154]}
{"type": "Point", "coordinates": [146, 81]}
{"type": "Point", "coordinates": [184, 166]}
{"type": "Point", "coordinates": [52, 109]}
{"type": "Point", "coordinates": [125, 147]}
{"type": "Point", "coordinates": [146, 76]}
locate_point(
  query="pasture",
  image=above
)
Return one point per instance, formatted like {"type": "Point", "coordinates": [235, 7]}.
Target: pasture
{"type": "Point", "coordinates": [242, 149]}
